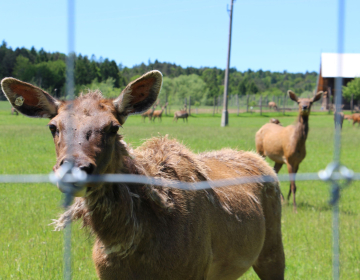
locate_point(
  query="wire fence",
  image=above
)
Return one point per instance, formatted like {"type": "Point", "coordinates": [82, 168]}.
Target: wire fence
{"type": "Point", "coordinates": [337, 175]}
{"type": "Point", "coordinates": [255, 103]}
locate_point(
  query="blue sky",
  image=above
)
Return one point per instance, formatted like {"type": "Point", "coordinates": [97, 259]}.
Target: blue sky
{"type": "Point", "coordinates": [273, 35]}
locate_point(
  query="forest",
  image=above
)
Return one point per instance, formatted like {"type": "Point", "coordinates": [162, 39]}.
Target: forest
{"type": "Point", "coordinates": [48, 71]}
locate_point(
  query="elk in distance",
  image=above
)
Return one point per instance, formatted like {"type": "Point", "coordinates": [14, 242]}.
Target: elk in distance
{"type": "Point", "coordinates": [339, 119]}
{"type": "Point", "coordinates": [348, 117]}
{"type": "Point", "coordinates": [272, 105]}
{"type": "Point", "coordinates": [338, 116]}
{"type": "Point", "coordinates": [356, 119]}
{"type": "Point", "coordinates": [182, 114]}
{"type": "Point", "coordinates": [275, 121]}
{"type": "Point", "coordinates": [287, 144]}
{"type": "Point", "coordinates": [158, 113]}
{"type": "Point", "coordinates": [148, 113]}
{"type": "Point", "coordinates": [156, 232]}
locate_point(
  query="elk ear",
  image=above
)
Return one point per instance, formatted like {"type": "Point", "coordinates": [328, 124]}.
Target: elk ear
{"type": "Point", "coordinates": [316, 97]}
{"type": "Point", "coordinates": [139, 95]}
{"type": "Point", "coordinates": [292, 95]}
{"type": "Point", "coordinates": [29, 100]}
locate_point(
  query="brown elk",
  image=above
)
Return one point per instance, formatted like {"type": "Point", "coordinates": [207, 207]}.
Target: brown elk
{"type": "Point", "coordinates": [182, 114]}
{"type": "Point", "coordinates": [158, 113]}
{"type": "Point", "coordinates": [273, 105]}
{"type": "Point", "coordinates": [348, 117]}
{"type": "Point", "coordinates": [356, 119]}
{"type": "Point", "coordinates": [148, 232]}
{"type": "Point", "coordinates": [287, 144]}
{"type": "Point", "coordinates": [148, 113]}
{"type": "Point", "coordinates": [275, 121]}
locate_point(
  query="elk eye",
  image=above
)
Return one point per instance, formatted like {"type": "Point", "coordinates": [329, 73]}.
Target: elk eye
{"type": "Point", "coordinates": [114, 129]}
{"type": "Point", "coordinates": [53, 129]}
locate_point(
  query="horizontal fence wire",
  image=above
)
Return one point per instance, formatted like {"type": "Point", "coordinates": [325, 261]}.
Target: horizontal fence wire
{"type": "Point", "coordinates": [323, 175]}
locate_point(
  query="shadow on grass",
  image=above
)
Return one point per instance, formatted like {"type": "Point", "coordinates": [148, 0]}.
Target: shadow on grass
{"type": "Point", "coordinates": [322, 208]}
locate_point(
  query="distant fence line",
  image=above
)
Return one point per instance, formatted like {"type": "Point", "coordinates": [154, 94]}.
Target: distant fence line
{"type": "Point", "coordinates": [239, 104]}
{"type": "Point", "coordinates": [248, 103]}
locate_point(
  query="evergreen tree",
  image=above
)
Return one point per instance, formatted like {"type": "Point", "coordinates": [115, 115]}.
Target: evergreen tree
{"type": "Point", "coordinates": [242, 87]}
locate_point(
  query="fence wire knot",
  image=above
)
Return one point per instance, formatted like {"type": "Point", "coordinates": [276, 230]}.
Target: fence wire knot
{"type": "Point", "coordinates": [333, 173]}
{"type": "Point", "coordinates": [58, 178]}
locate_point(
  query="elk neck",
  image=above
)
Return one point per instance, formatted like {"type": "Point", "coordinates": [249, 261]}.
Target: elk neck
{"type": "Point", "coordinates": [302, 127]}
{"type": "Point", "coordinates": [111, 208]}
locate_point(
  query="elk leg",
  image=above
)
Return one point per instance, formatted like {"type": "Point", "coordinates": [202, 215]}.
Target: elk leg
{"type": "Point", "coordinates": [277, 168]}
{"type": "Point", "coordinates": [292, 170]}
{"type": "Point", "coordinates": [270, 265]}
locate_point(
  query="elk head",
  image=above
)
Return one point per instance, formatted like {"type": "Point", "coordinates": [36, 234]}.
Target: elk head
{"type": "Point", "coordinates": [304, 103]}
{"type": "Point", "coordinates": [85, 130]}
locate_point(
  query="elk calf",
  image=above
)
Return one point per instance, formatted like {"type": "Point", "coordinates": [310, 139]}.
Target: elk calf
{"type": "Point", "coordinates": [287, 144]}
{"type": "Point", "coordinates": [148, 232]}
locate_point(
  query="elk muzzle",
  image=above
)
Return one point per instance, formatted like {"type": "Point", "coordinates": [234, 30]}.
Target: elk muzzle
{"type": "Point", "coordinates": [79, 171]}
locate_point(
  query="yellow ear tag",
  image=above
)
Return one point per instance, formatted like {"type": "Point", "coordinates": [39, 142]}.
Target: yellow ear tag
{"type": "Point", "coordinates": [19, 101]}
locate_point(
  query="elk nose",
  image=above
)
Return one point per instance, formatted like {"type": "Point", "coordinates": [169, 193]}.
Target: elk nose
{"type": "Point", "coordinates": [304, 107]}
{"type": "Point", "coordinates": [89, 168]}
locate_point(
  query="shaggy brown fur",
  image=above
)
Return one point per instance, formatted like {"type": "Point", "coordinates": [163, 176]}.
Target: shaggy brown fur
{"type": "Point", "coordinates": [147, 232]}
{"type": "Point", "coordinates": [248, 213]}
{"type": "Point", "coordinates": [287, 144]}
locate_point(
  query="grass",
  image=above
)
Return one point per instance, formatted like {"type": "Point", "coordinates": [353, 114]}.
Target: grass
{"type": "Point", "coordinates": [29, 249]}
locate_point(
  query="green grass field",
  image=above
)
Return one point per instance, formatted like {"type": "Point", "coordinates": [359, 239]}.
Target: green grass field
{"type": "Point", "coordinates": [29, 249]}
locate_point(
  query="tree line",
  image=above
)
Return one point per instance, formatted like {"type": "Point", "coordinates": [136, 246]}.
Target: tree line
{"type": "Point", "coordinates": [48, 71]}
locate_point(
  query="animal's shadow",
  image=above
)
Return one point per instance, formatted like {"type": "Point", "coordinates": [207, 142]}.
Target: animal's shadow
{"type": "Point", "coordinates": [306, 206]}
